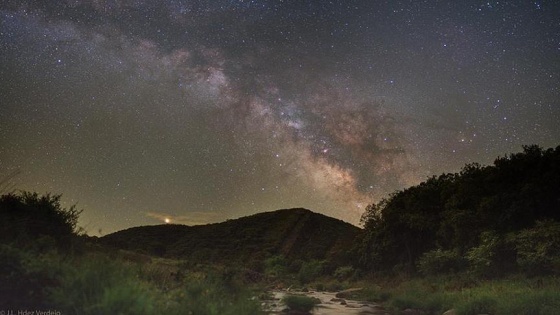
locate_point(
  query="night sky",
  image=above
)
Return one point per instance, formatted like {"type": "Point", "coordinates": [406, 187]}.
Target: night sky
{"type": "Point", "coordinates": [201, 111]}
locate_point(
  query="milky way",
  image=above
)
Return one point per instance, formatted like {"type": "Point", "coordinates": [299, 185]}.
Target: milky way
{"type": "Point", "coordinates": [202, 111]}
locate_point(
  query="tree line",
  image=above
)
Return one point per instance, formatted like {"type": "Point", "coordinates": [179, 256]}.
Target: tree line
{"type": "Point", "coordinates": [489, 220]}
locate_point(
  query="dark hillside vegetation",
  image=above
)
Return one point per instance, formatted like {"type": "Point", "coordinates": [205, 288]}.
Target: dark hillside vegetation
{"type": "Point", "coordinates": [32, 225]}
{"type": "Point", "coordinates": [47, 265]}
{"type": "Point", "coordinates": [27, 217]}
{"type": "Point", "coordinates": [292, 233]}
{"type": "Point", "coordinates": [484, 240]}
{"type": "Point", "coordinates": [489, 220]}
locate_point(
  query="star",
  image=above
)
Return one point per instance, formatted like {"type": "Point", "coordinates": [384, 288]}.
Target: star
{"type": "Point", "coordinates": [206, 108]}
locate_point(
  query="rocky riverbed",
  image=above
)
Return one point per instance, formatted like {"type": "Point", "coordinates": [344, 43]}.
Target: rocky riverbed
{"type": "Point", "coordinates": [330, 304]}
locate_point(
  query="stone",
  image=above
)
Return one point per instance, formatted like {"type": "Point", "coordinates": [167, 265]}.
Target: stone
{"type": "Point", "coordinates": [371, 311]}
{"type": "Point", "coordinates": [410, 311]}
{"type": "Point", "coordinates": [337, 300]}
{"type": "Point", "coordinates": [347, 293]}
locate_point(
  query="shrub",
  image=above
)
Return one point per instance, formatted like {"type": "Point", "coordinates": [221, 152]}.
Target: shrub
{"type": "Point", "coordinates": [333, 286]}
{"type": "Point", "coordinates": [440, 261]}
{"type": "Point", "coordinates": [344, 272]}
{"type": "Point", "coordinates": [98, 285]}
{"type": "Point", "coordinates": [310, 271]}
{"type": "Point", "coordinates": [300, 302]}
{"type": "Point", "coordinates": [538, 248]}
{"type": "Point", "coordinates": [276, 266]}
{"type": "Point", "coordinates": [24, 279]}
{"type": "Point", "coordinates": [27, 216]}
{"type": "Point", "coordinates": [492, 257]}
{"type": "Point", "coordinates": [101, 286]}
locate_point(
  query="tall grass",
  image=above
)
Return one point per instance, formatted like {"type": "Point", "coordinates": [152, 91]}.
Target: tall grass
{"type": "Point", "coordinates": [433, 295]}
{"type": "Point", "coordinates": [98, 283]}
{"type": "Point", "coordinates": [512, 296]}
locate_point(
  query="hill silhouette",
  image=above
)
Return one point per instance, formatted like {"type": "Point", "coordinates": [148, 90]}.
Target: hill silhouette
{"type": "Point", "coordinates": [293, 233]}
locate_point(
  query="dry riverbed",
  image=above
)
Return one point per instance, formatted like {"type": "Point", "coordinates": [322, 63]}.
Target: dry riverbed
{"type": "Point", "coordinates": [330, 304]}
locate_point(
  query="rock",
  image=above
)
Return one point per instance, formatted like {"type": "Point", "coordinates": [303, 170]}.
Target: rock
{"type": "Point", "coordinates": [346, 293]}
{"type": "Point", "coordinates": [337, 300]}
{"type": "Point", "coordinates": [410, 311]}
{"type": "Point", "coordinates": [379, 307]}
{"type": "Point", "coordinates": [371, 310]}
{"type": "Point", "coordinates": [450, 312]}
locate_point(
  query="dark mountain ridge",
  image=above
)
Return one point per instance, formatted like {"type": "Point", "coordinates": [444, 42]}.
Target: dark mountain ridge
{"type": "Point", "coordinates": [294, 233]}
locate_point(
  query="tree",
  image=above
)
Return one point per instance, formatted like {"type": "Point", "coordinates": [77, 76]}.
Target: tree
{"type": "Point", "coordinates": [538, 248]}
{"type": "Point", "coordinates": [27, 217]}
{"type": "Point", "coordinates": [452, 212]}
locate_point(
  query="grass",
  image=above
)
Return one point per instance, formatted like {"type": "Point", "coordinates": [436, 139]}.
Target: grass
{"type": "Point", "coordinates": [435, 295]}
{"type": "Point", "coordinates": [115, 282]}
{"type": "Point", "coordinates": [104, 283]}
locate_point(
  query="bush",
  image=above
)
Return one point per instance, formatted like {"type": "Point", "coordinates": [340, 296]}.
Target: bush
{"type": "Point", "coordinates": [333, 286]}
{"type": "Point", "coordinates": [492, 257]}
{"type": "Point", "coordinates": [101, 286]}
{"type": "Point", "coordinates": [24, 279]}
{"type": "Point", "coordinates": [538, 248]}
{"type": "Point", "coordinates": [440, 261]}
{"type": "Point", "coordinates": [310, 271]}
{"type": "Point", "coordinates": [27, 216]}
{"type": "Point", "coordinates": [276, 266]}
{"type": "Point", "coordinates": [345, 272]}
{"type": "Point", "coordinates": [98, 285]}
{"type": "Point", "coordinates": [209, 296]}
{"type": "Point", "coordinates": [300, 302]}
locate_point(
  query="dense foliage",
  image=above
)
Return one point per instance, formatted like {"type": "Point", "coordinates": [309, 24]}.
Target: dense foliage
{"type": "Point", "coordinates": [488, 219]}
{"type": "Point", "coordinates": [42, 270]}
{"type": "Point", "coordinates": [300, 303]}
{"type": "Point", "coordinates": [28, 217]}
